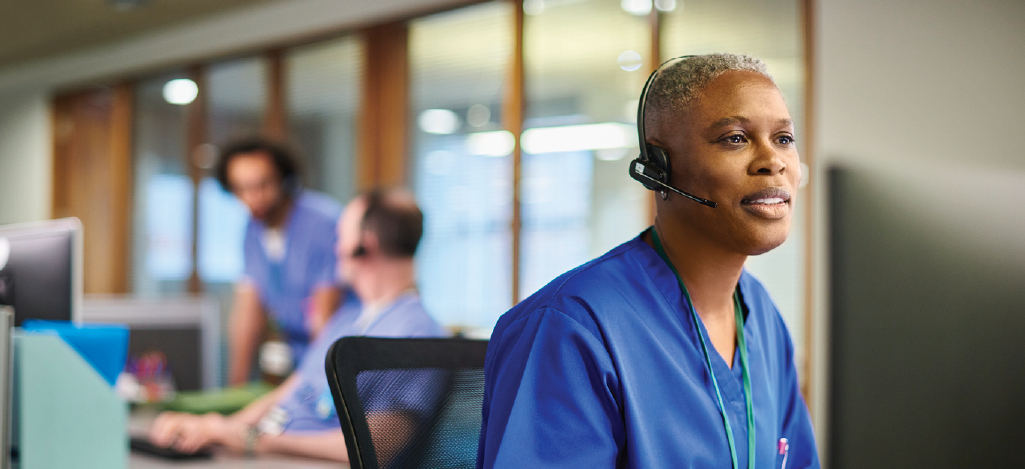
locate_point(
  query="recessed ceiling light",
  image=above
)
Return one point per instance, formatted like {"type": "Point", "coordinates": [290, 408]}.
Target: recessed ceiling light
{"type": "Point", "coordinates": [665, 5]}
{"type": "Point", "coordinates": [438, 121]}
{"type": "Point", "coordinates": [636, 7]}
{"type": "Point", "coordinates": [630, 60]}
{"type": "Point", "coordinates": [181, 91]}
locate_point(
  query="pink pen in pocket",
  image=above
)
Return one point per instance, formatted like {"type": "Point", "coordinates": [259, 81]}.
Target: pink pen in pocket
{"type": "Point", "coordinates": [784, 449]}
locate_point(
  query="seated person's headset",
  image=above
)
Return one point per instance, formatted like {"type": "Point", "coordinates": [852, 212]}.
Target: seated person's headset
{"type": "Point", "coordinates": [374, 204]}
{"type": "Point", "coordinates": [652, 167]}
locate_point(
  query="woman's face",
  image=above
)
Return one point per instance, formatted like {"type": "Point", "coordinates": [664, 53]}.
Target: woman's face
{"type": "Point", "coordinates": [734, 144]}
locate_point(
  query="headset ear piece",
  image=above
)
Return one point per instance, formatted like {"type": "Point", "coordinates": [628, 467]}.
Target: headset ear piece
{"type": "Point", "coordinates": [645, 172]}
{"type": "Point", "coordinates": [660, 159]}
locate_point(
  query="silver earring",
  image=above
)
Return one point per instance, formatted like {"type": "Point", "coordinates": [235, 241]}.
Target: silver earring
{"type": "Point", "coordinates": [664, 195]}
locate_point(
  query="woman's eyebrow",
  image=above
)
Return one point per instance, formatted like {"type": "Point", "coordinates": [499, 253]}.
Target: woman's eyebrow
{"type": "Point", "coordinates": [728, 121]}
{"type": "Point", "coordinates": [733, 120]}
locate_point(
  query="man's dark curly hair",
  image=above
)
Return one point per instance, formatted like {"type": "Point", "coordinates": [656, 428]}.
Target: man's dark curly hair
{"type": "Point", "coordinates": [282, 157]}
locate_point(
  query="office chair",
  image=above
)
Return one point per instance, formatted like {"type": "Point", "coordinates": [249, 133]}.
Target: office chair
{"type": "Point", "coordinates": [408, 403]}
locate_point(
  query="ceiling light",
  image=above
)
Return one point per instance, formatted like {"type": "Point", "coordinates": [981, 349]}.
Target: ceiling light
{"type": "Point", "coordinates": [579, 138]}
{"type": "Point", "coordinates": [438, 121]}
{"type": "Point", "coordinates": [478, 115]}
{"type": "Point", "coordinates": [533, 7]}
{"type": "Point", "coordinates": [665, 5]}
{"type": "Point", "coordinates": [636, 7]}
{"type": "Point", "coordinates": [630, 61]}
{"type": "Point", "coordinates": [181, 91]}
{"type": "Point", "coordinates": [496, 143]}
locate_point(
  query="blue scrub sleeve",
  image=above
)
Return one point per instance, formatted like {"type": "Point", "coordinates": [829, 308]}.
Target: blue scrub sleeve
{"type": "Point", "coordinates": [550, 397]}
{"type": "Point", "coordinates": [797, 427]}
{"type": "Point", "coordinates": [323, 268]}
{"type": "Point", "coordinates": [250, 249]}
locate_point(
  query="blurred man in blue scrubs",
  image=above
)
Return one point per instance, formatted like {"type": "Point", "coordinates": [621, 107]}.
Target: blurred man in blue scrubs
{"type": "Point", "coordinates": [378, 235]}
{"type": "Point", "coordinates": [665, 352]}
{"type": "Point", "coordinates": [288, 251]}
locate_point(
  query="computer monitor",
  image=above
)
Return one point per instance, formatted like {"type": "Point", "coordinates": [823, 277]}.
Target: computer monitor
{"type": "Point", "coordinates": [41, 269]}
{"type": "Point", "coordinates": [185, 330]}
{"type": "Point", "coordinates": [927, 317]}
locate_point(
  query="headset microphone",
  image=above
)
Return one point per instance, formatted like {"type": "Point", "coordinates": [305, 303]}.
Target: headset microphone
{"type": "Point", "coordinates": [652, 168]}
{"type": "Point", "coordinates": [649, 176]}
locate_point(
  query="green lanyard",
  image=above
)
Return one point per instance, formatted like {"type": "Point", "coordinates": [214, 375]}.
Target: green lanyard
{"type": "Point", "coordinates": [708, 360]}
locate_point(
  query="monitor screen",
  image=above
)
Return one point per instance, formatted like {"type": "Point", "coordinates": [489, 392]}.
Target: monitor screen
{"type": "Point", "coordinates": [182, 348]}
{"type": "Point", "coordinates": [183, 331]}
{"type": "Point", "coordinates": [40, 269]}
{"type": "Point", "coordinates": [927, 315]}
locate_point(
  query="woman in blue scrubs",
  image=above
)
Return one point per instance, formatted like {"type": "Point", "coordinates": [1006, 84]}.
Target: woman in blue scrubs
{"type": "Point", "coordinates": [665, 352]}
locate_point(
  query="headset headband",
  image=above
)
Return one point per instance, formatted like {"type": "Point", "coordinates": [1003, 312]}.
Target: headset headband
{"type": "Point", "coordinates": [643, 104]}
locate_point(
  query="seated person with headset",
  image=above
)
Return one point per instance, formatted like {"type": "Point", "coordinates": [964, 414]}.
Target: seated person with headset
{"type": "Point", "coordinates": [665, 352]}
{"type": "Point", "coordinates": [377, 236]}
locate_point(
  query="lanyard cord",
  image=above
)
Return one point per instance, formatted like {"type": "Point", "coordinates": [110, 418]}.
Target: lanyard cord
{"type": "Point", "coordinates": [749, 404]}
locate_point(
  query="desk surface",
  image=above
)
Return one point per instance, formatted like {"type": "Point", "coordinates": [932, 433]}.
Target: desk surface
{"type": "Point", "coordinates": [139, 423]}
{"type": "Point", "coordinates": [224, 461]}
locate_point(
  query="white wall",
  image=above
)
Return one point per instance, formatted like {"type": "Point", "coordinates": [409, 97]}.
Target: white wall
{"type": "Point", "coordinates": [919, 82]}
{"type": "Point", "coordinates": [924, 79]}
{"type": "Point", "coordinates": [25, 156]}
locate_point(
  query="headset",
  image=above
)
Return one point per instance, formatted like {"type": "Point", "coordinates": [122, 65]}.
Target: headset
{"type": "Point", "coordinates": [375, 202]}
{"type": "Point", "coordinates": [652, 168]}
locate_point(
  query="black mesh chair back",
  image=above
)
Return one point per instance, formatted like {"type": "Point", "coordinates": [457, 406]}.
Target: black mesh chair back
{"type": "Point", "coordinates": [408, 403]}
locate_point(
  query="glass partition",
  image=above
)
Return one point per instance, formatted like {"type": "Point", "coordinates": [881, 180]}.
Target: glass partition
{"type": "Point", "coordinates": [236, 99]}
{"type": "Point", "coordinates": [323, 90]}
{"type": "Point", "coordinates": [584, 65]}
{"type": "Point", "coordinates": [162, 208]}
{"type": "Point", "coordinates": [461, 165]}
{"type": "Point", "coordinates": [236, 102]}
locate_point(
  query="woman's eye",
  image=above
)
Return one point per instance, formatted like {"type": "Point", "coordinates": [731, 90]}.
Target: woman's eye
{"type": "Point", "coordinates": [786, 140]}
{"type": "Point", "coordinates": [735, 139]}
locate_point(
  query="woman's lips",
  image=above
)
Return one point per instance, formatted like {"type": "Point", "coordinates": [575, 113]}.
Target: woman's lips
{"type": "Point", "coordinates": [771, 202]}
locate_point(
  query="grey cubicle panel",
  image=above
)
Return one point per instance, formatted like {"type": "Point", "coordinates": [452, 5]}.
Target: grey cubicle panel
{"type": "Point", "coordinates": [927, 317]}
{"type": "Point", "coordinates": [187, 330]}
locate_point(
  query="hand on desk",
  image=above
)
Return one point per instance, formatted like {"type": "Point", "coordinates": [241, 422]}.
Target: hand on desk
{"type": "Point", "coordinates": [188, 433]}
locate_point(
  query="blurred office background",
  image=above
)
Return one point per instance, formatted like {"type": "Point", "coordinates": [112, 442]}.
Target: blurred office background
{"type": "Point", "coordinates": [511, 120]}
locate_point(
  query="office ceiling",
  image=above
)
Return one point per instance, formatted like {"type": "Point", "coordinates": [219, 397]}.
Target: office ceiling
{"type": "Point", "coordinates": [39, 28]}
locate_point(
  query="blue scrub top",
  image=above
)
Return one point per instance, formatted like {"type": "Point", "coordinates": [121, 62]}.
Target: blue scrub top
{"type": "Point", "coordinates": [602, 368]}
{"type": "Point", "coordinates": [310, 407]}
{"type": "Point", "coordinates": [309, 263]}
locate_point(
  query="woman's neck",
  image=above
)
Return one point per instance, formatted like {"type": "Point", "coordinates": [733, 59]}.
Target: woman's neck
{"type": "Point", "coordinates": [710, 274]}
{"type": "Point", "coordinates": [709, 271]}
